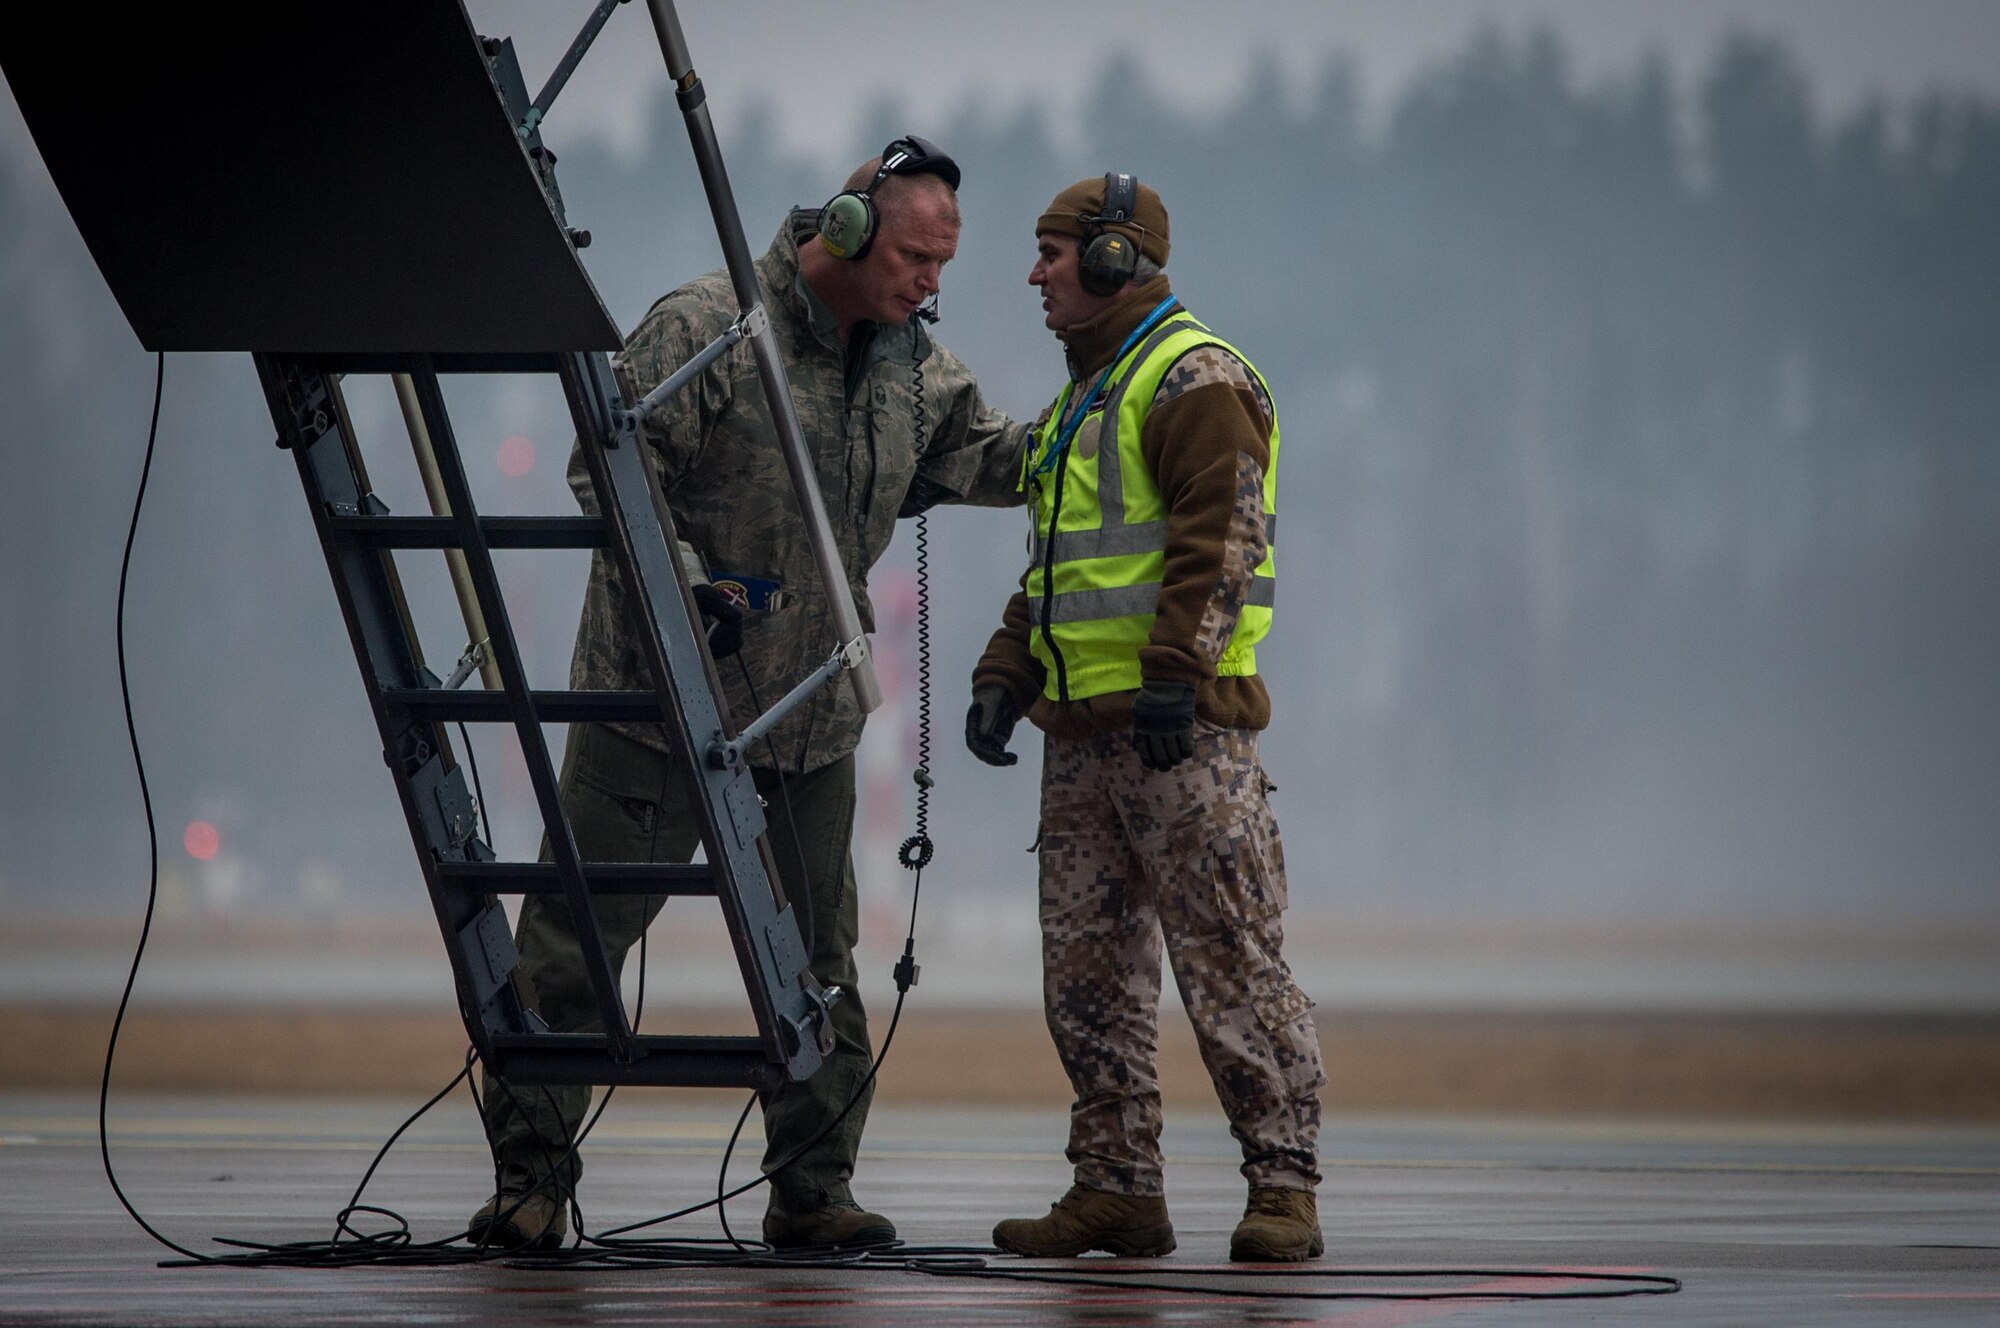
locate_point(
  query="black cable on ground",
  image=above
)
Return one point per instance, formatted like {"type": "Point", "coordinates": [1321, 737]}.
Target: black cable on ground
{"type": "Point", "coordinates": [1136, 1279]}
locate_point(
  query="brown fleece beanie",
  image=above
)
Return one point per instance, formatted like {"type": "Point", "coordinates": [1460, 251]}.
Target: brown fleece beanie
{"type": "Point", "coordinates": [1148, 227]}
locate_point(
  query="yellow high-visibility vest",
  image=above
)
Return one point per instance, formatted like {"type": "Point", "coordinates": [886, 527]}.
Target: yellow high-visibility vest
{"type": "Point", "coordinates": [1107, 557]}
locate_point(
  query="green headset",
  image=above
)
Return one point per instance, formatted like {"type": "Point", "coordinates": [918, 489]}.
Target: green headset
{"type": "Point", "coordinates": [848, 222]}
{"type": "Point", "coordinates": [1109, 260]}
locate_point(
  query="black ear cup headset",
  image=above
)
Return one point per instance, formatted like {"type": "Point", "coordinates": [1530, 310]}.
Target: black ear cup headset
{"type": "Point", "coordinates": [848, 222]}
{"type": "Point", "coordinates": [1110, 259]}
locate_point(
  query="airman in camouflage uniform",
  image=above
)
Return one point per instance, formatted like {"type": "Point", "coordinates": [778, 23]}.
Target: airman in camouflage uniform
{"type": "Point", "coordinates": [895, 424]}
{"type": "Point", "coordinates": [1155, 819]}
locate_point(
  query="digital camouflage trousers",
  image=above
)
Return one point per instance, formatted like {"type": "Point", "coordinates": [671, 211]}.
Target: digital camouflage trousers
{"type": "Point", "coordinates": [1130, 856]}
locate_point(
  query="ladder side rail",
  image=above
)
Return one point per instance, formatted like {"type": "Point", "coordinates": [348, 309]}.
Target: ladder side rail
{"type": "Point", "coordinates": [788, 1003]}
{"type": "Point", "coordinates": [506, 656]}
{"type": "Point", "coordinates": [436, 804]}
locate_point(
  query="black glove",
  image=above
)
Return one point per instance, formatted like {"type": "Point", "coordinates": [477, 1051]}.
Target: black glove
{"type": "Point", "coordinates": [1163, 724]}
{"type": "Point", "coordinates": [722, 618]}
{"type": "Point", "coordinates": [989, 723]}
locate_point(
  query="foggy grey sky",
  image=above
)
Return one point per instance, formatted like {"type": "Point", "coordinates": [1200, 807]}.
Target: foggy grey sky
{"type": "Point", "coordinates": [825, 65]}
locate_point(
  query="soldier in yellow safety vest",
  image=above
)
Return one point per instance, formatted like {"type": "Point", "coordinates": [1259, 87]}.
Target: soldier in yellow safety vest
{"type": "Point", "coordinates": [1132, 646]}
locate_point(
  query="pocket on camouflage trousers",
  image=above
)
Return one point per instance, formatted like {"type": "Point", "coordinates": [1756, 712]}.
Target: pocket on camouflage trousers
{"type": "Point", "coordinates": [1233, 865]}
{"type": "Point", "coordinates": [1286, 1014]}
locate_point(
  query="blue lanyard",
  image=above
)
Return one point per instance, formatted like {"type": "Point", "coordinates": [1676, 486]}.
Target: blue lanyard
{"type": "Point", "coordinates": [1074, 416]}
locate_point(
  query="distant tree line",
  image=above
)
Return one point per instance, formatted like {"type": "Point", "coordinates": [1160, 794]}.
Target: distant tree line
{"type": "Point", "coordinates": [1640, 480]}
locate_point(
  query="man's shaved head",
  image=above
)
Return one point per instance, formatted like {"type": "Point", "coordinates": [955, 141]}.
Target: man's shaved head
{"type": "Point", "coordinates": [894, 192]}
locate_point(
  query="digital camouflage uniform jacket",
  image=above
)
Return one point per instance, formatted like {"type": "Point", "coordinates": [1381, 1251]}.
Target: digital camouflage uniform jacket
{"type": "Point", "coordinates": [719, 461]}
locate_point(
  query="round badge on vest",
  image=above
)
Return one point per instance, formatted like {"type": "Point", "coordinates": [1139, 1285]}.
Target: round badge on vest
{"type": "Point", "coordinates": [1086, 437]}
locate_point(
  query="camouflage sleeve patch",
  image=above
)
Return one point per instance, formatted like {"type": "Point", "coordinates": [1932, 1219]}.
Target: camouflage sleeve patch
{"type": "Point", "coordinates": [1243, 548]}
{"type": "Point", "coordinates": [1205, 365]}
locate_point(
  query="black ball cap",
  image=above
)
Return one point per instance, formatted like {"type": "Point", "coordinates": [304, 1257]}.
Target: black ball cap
{"type": "Point", "coordinates": [919, 156]}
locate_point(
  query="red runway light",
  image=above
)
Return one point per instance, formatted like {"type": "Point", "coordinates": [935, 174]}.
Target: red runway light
{"type": "Point", "coordinates": [201, 840]}
{"type": "Point", "coordinates": [517, 456]}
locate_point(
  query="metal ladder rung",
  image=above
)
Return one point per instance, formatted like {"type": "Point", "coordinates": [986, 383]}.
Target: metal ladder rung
{"type": "Point", "coordinates": [604, 878]}
{"type": "Point", "coordinates": [480, 706]}
{"type": "Point", "coordinates": [685, 1060]}
{"type": "Point", "coordinates": [501, 532]}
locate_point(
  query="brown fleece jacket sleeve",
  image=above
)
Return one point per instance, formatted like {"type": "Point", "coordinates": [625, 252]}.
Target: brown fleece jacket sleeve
{"type": "Point", "coordinates": [1007, 661]}
{"type": "Point", "coordinates": [1207, 442]}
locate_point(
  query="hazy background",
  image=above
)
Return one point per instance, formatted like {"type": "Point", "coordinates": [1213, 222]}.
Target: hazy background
{"type": "Point", "coordinates": [1639, 373]}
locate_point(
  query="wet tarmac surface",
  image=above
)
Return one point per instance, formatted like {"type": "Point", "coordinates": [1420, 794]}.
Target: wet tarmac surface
{"type": "Point", "coordinates": [1766, 1224]}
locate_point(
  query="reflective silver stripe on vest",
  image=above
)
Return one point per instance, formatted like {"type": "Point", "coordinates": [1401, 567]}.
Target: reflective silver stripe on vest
{"type": "Point", "coordinates": [1110, 483]}
{"type": "Point", "coordinates": [1114, 541]}
{"type": "Point", "coordinates": [1136, 601]}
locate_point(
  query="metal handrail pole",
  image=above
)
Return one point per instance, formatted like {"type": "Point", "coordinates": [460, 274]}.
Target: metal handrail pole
{"type": "Point", "coordinates": [693, 101]}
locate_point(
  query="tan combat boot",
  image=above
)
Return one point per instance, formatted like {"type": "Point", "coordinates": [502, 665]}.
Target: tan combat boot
{"type": "Point", "coordinates": [1131, 1225]}
{"type": "Point", "coordinates": [537, 1221]}
{"type": "Point", "coordinates": [1278, 1226]}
